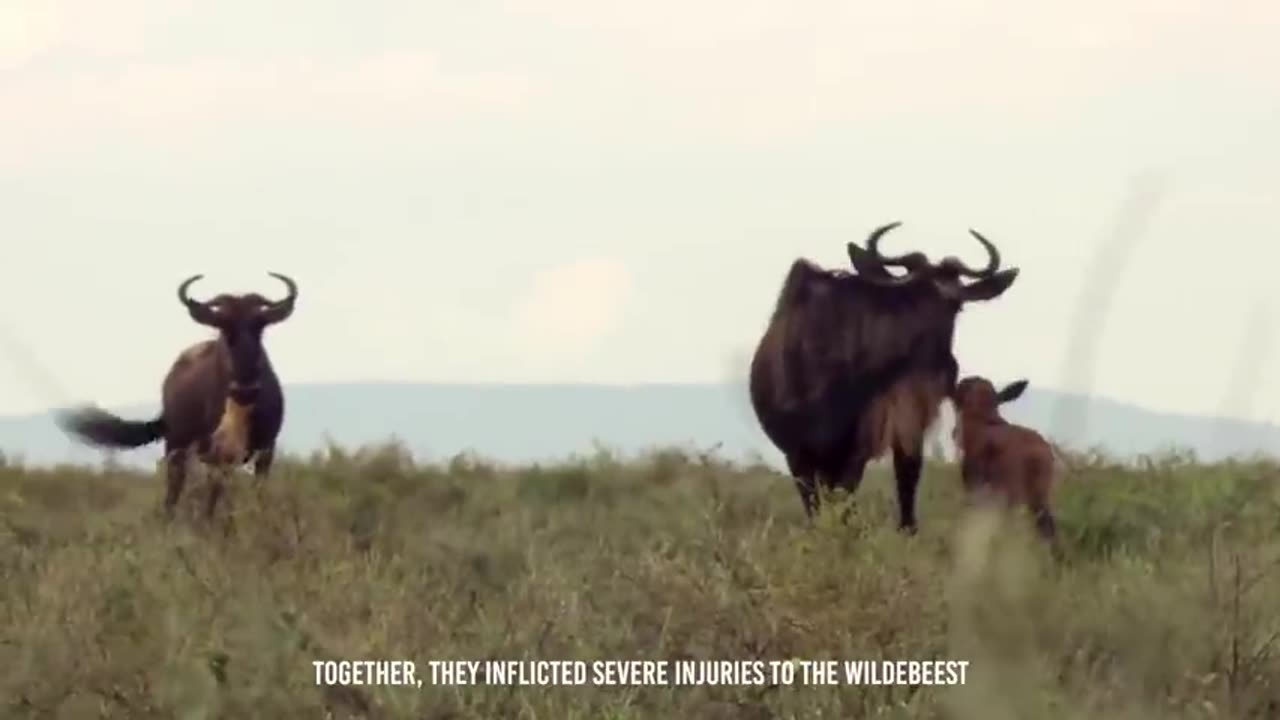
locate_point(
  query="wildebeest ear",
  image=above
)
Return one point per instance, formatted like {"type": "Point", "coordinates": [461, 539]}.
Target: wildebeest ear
{"type": "Point", "coordinates": [1012, 391]}
{"type": "Point", "coordinates": [989, 288]}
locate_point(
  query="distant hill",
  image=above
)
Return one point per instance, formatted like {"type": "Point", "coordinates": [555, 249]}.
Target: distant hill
{"type": "Point", "coordinates": [518, 423]}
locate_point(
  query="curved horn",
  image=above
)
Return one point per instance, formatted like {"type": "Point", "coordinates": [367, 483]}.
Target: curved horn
{"type": "Point", "coordinates": [182, 290]}
{"type": "Point", "coordinates": [870, 264]}
{"type": "Point", "coordinates": [864, 262]}
{"type": "Point", "coordinates": [993, 259]}
{"type": "Point", "coordinates": [869, 268]}
{"type": "Point", "coordinates": [281, 309]}
{"type": "Point", "coordinates": [199, 311]}
{"type": "Point", "coordinates": [873, 245]}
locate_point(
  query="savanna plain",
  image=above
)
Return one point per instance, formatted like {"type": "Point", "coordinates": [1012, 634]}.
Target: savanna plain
{"type": "Point", "coordinates": [1166, 603]}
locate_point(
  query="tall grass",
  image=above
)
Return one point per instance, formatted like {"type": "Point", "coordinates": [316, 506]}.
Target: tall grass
{"type": "Point", "coordinates": [1166, 605]}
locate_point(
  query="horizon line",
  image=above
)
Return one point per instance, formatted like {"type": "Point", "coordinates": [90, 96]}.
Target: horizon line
{"type": "Point", "coordinates": [633, 385]}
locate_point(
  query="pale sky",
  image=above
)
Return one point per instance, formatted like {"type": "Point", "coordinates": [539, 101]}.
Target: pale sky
{"type": "Point", "coordinates": [599, 191]}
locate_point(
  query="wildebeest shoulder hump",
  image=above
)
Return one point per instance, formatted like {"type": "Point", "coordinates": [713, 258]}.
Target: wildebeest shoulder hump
{"type": "Point", "coordinates": [803, 279]}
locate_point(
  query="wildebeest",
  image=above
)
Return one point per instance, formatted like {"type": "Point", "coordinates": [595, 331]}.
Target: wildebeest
{"type": "Point", "coordinates": [998, 457]}
{"type": "Point", "coordinates": [221, 402]}
{"type": "Point", "coordinates": [855, 364]}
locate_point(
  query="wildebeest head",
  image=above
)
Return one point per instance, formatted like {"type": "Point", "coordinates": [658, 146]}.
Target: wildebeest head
{"type": "Point", "coordinates": [946, 276]}
{"type": "Point", "coordinates": [975, 397]}
{"type": "Point", "coordinates": [240, 320]}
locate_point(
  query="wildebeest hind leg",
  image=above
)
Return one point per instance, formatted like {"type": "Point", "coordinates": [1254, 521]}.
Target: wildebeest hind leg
{"type": "Point", "coordinates": [1047, 528]}
{"type": "Point", "coordinates": [175, 478]}
{"type": "Point", "coordinates": [850, 478]}
{"type": "Point", "coordinates": [806, 485]}
{"type": "Point", "coordinates": [906, 468]}
{"type": "Point", "coordinates": [1045, 524]}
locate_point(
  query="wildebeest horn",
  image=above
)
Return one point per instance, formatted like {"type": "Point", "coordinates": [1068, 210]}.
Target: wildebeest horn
{"type": "Point", "coordinates": [870, 262]}
{"type": "Point", "coordinates": [281, 309]}
{"type": "Point", "coordinates": [873, 245]}
{"type": "Point", "coordinates": [199, 311]}
{"type": "Point", "coordinates": [993, 259]}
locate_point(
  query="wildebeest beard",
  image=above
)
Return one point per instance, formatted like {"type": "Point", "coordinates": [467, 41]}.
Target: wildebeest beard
{"type": "Point", "coordinates": [246, 352]}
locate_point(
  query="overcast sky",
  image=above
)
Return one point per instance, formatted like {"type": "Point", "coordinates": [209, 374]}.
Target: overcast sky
{"type": "Point", "coordinates": [590, 190]}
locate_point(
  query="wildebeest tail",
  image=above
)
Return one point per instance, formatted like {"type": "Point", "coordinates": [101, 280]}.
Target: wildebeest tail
{"type": "Point", "coordinates": [96, 426]}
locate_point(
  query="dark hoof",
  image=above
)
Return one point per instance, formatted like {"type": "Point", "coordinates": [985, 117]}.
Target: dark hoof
{"type": "Point", "coordinates": [909, 530]}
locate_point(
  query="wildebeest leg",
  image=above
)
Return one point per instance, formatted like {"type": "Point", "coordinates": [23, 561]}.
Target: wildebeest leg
{"type": "Point", "coordinates": [176, 477]}
{"type": "Point", "coordinates": [806, 481]}
{"type": "Point", "coordinates": [806, 485]}
{"type": "Point", "coordinates": [262, 467]}
{"type": "Point", "coordinates": [850, 478]}
{"type": "Point", "coordinates": [906, 467]}
{"type": "Point", "coordinates": [1045, 524]}
{"type": "Point", "coordinates": [219, 477]}
{"type": "Point", "coordinates": [217, 480]}
{"type": "Point", "coordinates": [262, 462]}
{"type": "Point", "coordinates": [1046, 527]}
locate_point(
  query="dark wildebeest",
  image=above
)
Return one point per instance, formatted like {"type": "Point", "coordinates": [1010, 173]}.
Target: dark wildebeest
{"type": "Point", "coordinates": [854, 365]}
{"type": "Point", "coordinates": [999, 458]}
{"type": "Point", "coordinates": [221, 402]}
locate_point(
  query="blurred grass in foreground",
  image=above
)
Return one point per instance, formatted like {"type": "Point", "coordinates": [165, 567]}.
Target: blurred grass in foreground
{"type": "Point", "coordinates": [1168, 604]}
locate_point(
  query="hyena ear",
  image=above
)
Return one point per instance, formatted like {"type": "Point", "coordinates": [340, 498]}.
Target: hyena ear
{"type": "Point", "coordinates": [1012, 391]}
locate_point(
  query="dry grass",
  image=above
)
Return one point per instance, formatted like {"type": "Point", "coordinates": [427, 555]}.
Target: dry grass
{"type": "Point", "coordinates": [1167, 605]}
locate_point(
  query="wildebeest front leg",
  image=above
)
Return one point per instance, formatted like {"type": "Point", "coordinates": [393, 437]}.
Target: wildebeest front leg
{"type": "Point", "coordinates": [219, 477]}
{"type": "Point", "coordinates": [262, 462]}
{"type": "Point", "coordinates": [217, 485]}
{"type": "Point", "coordinates": [906, 467]}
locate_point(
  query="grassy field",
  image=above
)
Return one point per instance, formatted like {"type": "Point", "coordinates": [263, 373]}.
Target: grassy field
{"type": "Point", "coordinates": [1167, 604]}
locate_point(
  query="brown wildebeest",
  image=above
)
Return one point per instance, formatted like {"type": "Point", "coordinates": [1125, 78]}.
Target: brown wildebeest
{"type": "Point", "coordinates": [221, 402]}
{"type": "Point", "coordinates": [998, 457]}
{"type": "Point", "coordinates": [854, 365]}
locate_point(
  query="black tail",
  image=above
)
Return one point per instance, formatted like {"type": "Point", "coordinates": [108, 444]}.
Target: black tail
{"type": "Point", "coordinates": [95, 426]}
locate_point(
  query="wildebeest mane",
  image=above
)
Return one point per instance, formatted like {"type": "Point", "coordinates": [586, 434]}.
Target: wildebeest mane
{"type": "Point", "coordinates": [833, 326]}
